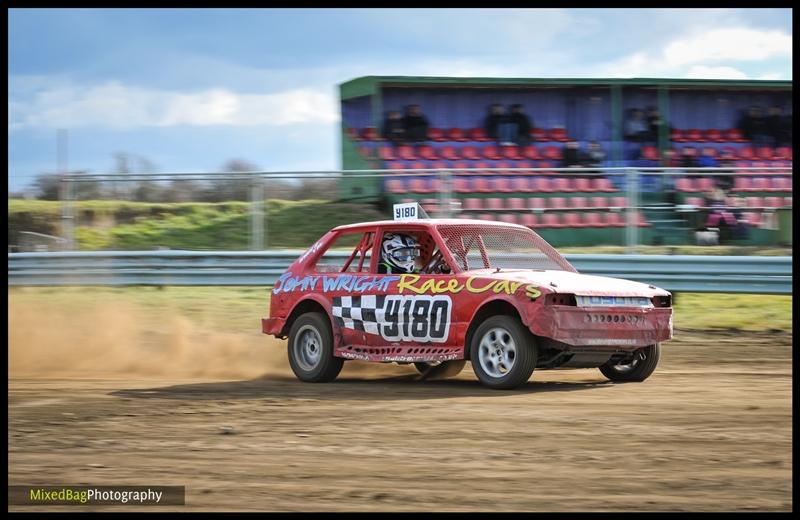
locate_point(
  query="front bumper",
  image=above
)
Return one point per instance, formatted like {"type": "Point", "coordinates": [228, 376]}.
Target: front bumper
{"type": "Point", "coordinates": [272, 326]}
{"type": "Point", "coordinates": [603, 326]}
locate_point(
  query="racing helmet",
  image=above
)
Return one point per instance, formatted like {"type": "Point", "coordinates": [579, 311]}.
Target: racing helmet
{"type": "Point", "coordinates": [399, 251]}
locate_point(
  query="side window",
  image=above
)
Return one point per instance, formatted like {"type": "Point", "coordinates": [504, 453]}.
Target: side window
{"type": "Point", "coordinates": [349, 253]}
{"type": "Point", "coordinates": [428, 254]}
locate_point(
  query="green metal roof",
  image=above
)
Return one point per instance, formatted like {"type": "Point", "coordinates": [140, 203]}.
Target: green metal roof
{"type": "Point", "coordinates": [368, 85]}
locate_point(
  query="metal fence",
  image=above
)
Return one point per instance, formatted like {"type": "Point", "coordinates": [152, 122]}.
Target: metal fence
{"type": "Point", "coordinates": [634, 183]}
{"type": "Point", "coordinates": [685, 273]}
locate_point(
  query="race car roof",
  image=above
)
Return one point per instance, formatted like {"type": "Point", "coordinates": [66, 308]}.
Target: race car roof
{"type": "Point", "coordinates": [427, 223]}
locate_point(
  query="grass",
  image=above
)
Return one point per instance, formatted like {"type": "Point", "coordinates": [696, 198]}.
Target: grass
{"type": "Point", "coordinates": [239, 309]}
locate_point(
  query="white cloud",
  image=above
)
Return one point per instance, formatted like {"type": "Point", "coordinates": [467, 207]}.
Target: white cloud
{"type": "Point", "coordinates": [120, 106]}
{"type": "Point", "coordinates": [706, 72]}
{"type": "Point", "coordinates": [715, 54]}
{"type": "Point", "coordinates": [728, 44]}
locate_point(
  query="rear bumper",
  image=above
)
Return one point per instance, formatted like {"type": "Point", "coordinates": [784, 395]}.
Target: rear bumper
{"type": "Point", "coordinates": [272, 326]}
{"type": "Point", "coordinates": [598, 326]}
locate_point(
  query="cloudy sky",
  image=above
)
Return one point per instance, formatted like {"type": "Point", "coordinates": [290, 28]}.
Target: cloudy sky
{"type": "Point", "coordinates": [189, 89]}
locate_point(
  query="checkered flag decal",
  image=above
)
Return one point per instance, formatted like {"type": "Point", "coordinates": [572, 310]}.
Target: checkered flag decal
{"type": "Point", "coordinates": [359, 312]}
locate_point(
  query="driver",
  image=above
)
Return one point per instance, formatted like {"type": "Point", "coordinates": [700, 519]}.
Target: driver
{"type": "Point", "coordinates": [399, 254]}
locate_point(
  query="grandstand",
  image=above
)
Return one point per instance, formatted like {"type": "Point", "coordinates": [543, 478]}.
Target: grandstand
{"type": "Point", "coordinates": [702, 114]}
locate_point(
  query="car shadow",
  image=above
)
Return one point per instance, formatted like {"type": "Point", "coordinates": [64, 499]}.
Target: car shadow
{"type": "Point", "coordinates": [407, 387]}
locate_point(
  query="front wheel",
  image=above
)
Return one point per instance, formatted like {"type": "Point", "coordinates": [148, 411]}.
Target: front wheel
{"type": "Point", "coordinates": [503, 352]}
{"type": "Point", "coordinates": [637, 369]}
{"type": "Point", "coordinates": [311, 349]}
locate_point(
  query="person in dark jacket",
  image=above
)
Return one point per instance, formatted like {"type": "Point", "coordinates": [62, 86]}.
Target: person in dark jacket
{"type": "Point", "coordinates": [778, 127]}
{"type": "Point", "coordinates": [572, 156]}
{"type": "Point", "coordinates": [753, 126]}
{"type": "Point", "coordinates": [393, 129]}
{"type": "Point", "coordinates": [523, 123]}
{"type": "Point", "coordinates": [655, 123]}
{"type": "Point", "coordinates": [494, 119]}
{"type": "Point", "coordinates": [415, 124]}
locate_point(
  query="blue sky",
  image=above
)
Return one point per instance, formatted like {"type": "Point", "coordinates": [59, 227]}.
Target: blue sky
{"type": "Point", "coordinates": [189, 89]}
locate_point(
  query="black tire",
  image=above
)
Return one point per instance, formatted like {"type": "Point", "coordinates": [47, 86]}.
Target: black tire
{"type": "Point", "coordinates": [440, 370]}
{"type": "Point", "coordinates": [636, 371]}
{"type": "Point", "coordinates": [312, 359]}
{"type": "Point", "coordinates": [501, 332]}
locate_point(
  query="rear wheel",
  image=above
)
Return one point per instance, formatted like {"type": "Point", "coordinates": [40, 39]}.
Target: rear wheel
{"type": "Point", "coordinates": [638, 369]}
{"type": "Point", "coordinates": [503, 352]}
{"type": "Point", "coordinates": [440, 369]}
{"type": "Point", "coordinates": [311, 349]}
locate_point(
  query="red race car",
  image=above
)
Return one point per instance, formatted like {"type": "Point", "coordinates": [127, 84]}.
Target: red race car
{"type": "Point", "coordinates": [439, 292]}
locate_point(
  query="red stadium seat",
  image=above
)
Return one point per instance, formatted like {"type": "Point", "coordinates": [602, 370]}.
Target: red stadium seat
{"type": "Point", "coordinates": [539, 135]}
{"type": "Point", "coordinates": [600, 202]}
{"type": "Point", "coordinates": [741, 183]}
{"type": "Point", "coordinates": [521, 184]}
{"type": "Point", "coordinates": [773, 202]}
{"type": "Point", "coordinates": [472, 204]}
{"type": "Point", "coordinates": [603, 184]}
{"type": "Point", "coordinates": [642, 221]}
{"type": "Point", "coordinates": [755, 202]}
{"type": "Point", "coordinates": [695, 135]}
{"type": "Point", "coordinates": [505, 165]}
{"type": "Point", "coordinates": [502, 185]}
{"type": "Point", "coordinates": [509, 218]}
{"type": "Point", "coordinates": [365, 152]}
{"type": "Point", "coordinates": [481, 185]}
{"type": "Point", "coordinates": [685, 184]}
{"type": "Point", "coordinates": [529, 220]}
{"type": "Point", "coordinates": [370, 133]}
{"type": "Point", "coordinates": [573, 220]}
{"type": "Point", "coordinates": [733, 135]}
{"type": "Point", "coordinates": [542, 184]}
{"type": "Point", "coordinates": [760, 184]}
{"type": "Point", "coordinates": [470, 153]}
{"type": "Point", "coordinates": [486, 216]}
{"type": "Point", "coordinates": [523, 164]}
{"type": "Point", "coordinates": [547, 164]}
{"type": "Point", "coordinates": [784, 153]}
{"type": "Point", "coordinates": [477, 134]}
{"type": "Point", "coordinates": [427, 152]}
{"type": "Point", "coordinates": [583, 185]}
{"type": "Point", "coordinates": [436, 134]}
{"type": "Point", "coordinates": [457, 134]}
{"type": "Point", "coordinates": [494, 203]}
{"type": "Point", "coordinates": [511, 153]}
{"type": "Point", "coordinates": [649, 153]}
{"type": "Point", "coordinates": [551, 220]}
{"type": "Point", "coordinates": [593, 220]}
{"type": "Point", "coordinates": [765, 153]}
{"type": "Point", "coordinates": [578, 203]}
{"type": "Point", "coordinates": [537, 203]}
{"type": "Point", "coordinates": [406, 153]}
{"type": "Point", "coordinates": [395, 186]}
{"type": "Point", "coordinates": [448, 153]}
{"type": "Point", "coordinates": [704, 184]}
{"type": "Point", "coordinates": [696, 201]}
{"type": "Point", "coordinates": [482, 167]}
{"type": "Point", "coordinates": [395, 165]}
{"type": "Point", "coordinates": [462, 185]}
{"type": "Point", "coordinates": [557, 203]}
{"type": "Point", "coordinates": [715, 136]}
{"type": "Point", "coordinates": [515, 203]}
{"type": "Point", "coordinates": [460, 165]}
{"type": "Point", "coordinates": [490, 152]}
{"type": "Point", "coordinates": [559, 134]}
{"type": "Point", "coordinates": [615, 219]}
{"type": "Point", "coordinates": [386, 153]}
{"type": "Point", "coordinates": [352, 133]}
{"type": "Point", "coordinates": [677, 136]}
{"type": "Point", "coordinates": [619, 202]}
{"type": "Point", "coordinates": [532, 153]}
{"type": "Point", "coordinates": [418, 185]}
{"type": "Point", "coordinates": [746, 153]}
{"type": "Point", "coordinates": [552, 153]}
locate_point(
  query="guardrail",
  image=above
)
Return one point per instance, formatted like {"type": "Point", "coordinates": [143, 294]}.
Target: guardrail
{"type": "Point", "coordinates": [677, 273]}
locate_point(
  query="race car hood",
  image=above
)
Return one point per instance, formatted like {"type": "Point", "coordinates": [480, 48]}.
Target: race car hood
{"type": "Point", "coordinates": [566, 282]}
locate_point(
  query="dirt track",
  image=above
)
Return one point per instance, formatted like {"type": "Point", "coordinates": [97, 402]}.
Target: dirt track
{"type": "Point", "coordinates": [710, 430]}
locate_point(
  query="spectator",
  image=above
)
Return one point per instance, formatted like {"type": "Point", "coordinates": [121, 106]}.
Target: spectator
{"type": "Point", "coordinates": [707, 159]}
{"type": "Point", "coordinates": [688, 157]}
{"type": "Point", "coordinates": [753, 127]}
{"type": "Point", "coordinates": [572, 156]}
{"type": "Point", "coordinates": [779, 127]}
{"type": "Point", "coordinates": [595, 155]}
{"type": "Point", "coordinates": [654, 125]}
{"type": "Point", "coordinates": [393, 128]}
{"type": "Point", "coordinates": [415, 124]}
{"type": "Point", "coordinates": [523, 125]}
{"type": "Point", "coordinates": [719, 215]}
{"type": "Point", "coordinates": [495, 121]}
{"type": "Point", "coordinates": [725, 178]}
{"type": "Point", "coordinates": [668, 158]}
{"type": "Point", "coordinates": [636, 128]}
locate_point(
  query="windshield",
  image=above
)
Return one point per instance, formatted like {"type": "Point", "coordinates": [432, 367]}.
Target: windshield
{"type": "Point", "coordinates": [476, 246]}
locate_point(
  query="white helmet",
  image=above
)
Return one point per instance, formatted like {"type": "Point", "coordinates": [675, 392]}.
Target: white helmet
{"type": "Point", "coordinates": [399, 252]}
